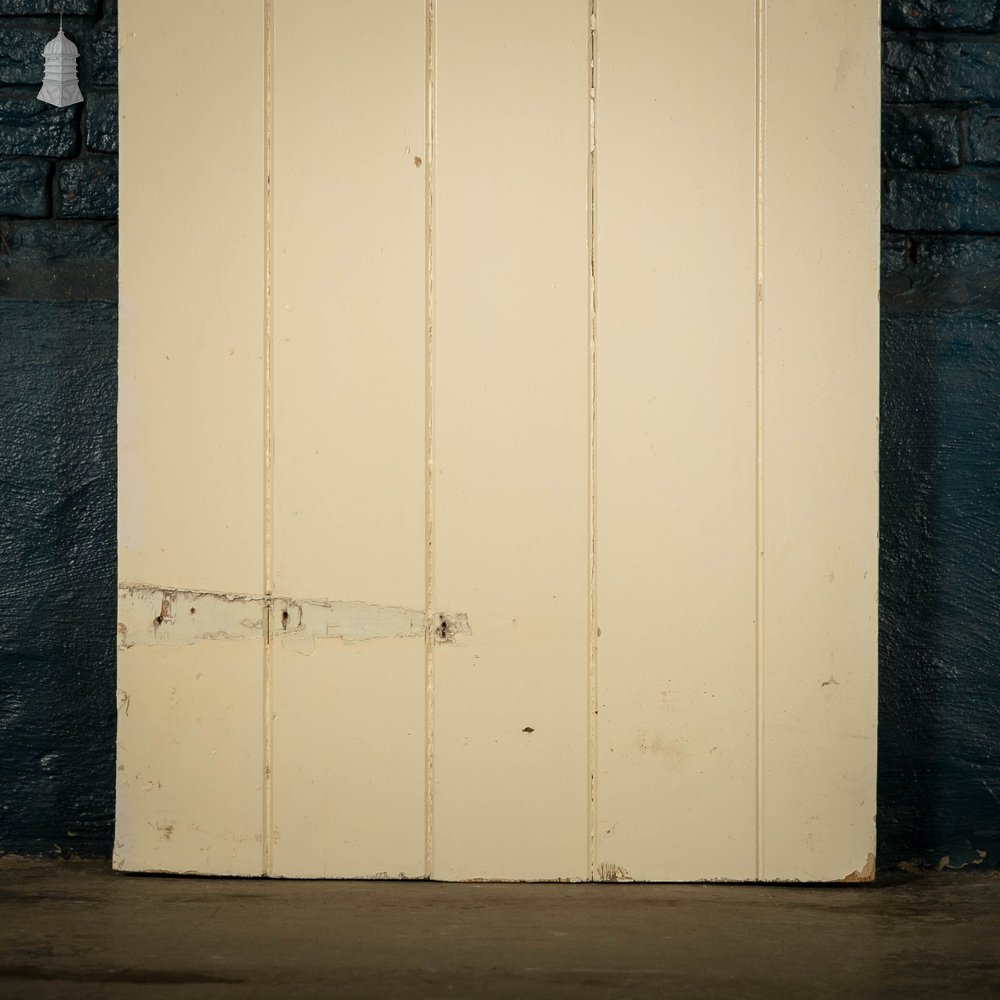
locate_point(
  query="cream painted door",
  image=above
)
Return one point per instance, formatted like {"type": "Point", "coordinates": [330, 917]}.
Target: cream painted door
{"type": "Point", "coordinates": [498, 442]}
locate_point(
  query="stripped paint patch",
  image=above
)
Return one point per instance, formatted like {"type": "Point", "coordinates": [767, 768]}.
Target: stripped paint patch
{"type": "Point", "coordinates": [298, 624]}
{"type": "Point", "coordinates": [161, 616]}
{"type": "Point", "coordinates": [153, 616]}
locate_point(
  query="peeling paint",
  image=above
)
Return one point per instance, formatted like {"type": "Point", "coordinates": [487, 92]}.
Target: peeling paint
{"type": "Point", "coordinates": [151, 616]}
{"type": "Point", "coordinates": [865, 874]}
{"type": "Point", "coordinates": [160, 616]}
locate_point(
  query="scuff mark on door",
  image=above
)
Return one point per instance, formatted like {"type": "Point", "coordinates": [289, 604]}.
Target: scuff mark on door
{"type": "Point", "coordinates": [607, 872]}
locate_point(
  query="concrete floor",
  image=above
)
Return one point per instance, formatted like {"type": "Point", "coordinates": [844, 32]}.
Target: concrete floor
{"type": "Point", "coordinates": [75, 929]}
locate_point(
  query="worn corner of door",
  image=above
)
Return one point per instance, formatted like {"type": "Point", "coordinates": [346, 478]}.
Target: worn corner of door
{"type": "Point", "coordinates": [864, 874]}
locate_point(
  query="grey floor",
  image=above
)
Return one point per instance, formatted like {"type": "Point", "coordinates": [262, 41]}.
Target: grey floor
{"type": "Point", "coordinates": [75, 929]}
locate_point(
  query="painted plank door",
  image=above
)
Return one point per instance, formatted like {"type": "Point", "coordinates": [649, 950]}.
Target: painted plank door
{"type": "Point", "coordinates": [498, 440]}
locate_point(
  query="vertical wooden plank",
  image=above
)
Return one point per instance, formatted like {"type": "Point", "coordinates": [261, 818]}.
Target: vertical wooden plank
{"type": "Point", "coordinates": [675, 440]}
{"type": "Point", "coordinates": [511, 442]}
{"type": "Point", "coordinates": [189, 759]}
{"type": "Point", "coordinates": [820, 442]}
{"type": "Point", "coordinates": [349, 233]}
{"type": "Point", "coordinates": [191, 298]}
{"type": "Point", "coordinates": [190, 419]}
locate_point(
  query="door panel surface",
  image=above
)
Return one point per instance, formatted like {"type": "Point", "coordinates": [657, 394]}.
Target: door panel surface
{"type": "Point", "coordinates": [819, 441]}
{"type": "Point", "coordinates": [191, 411]}
{"type": "Point", "coordinates": [510, 502]}
{"type": "Point", "coordinates": [348, 437]}
{"type": "Point", "coordinates": [498, 445]}
{"type": "Point", "coordinates": [676, 459]}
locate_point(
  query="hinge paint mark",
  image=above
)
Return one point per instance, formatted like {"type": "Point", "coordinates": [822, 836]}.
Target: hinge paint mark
{"type": "Point", "coordinates": [149, 616]}
{"type": "Point", "coordinates": [298, 624]}
{"type": "Point", "coordinates": [161, 616]}
{"type": "Point", "coordinates": [447, 627]}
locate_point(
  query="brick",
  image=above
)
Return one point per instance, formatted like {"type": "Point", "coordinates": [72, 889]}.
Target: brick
{"type": "Point", "coordinates": [101, 121]}
{"type": "Point", "coordinates": [29, 127]}
{"type": "Point", "coordinates": [942, 202]}
{"type": "Point", "coordinates": [21, 59]}
{"type": "Point", "coordinates": [984, 135]}
{"type": "Point", "coordinates": [970, 254]}
{"type": "Point", "coordinates": [946, 272]}
{"type": "Point", "coordinates": [88, 188]}
{"type": "Point", "coordinates": [24, 188]}
{"type": "Point", "coordinates": [921, 137]}
{"type": "Point", "coordinates": [894, 259]}
{"type": "Point", "coordinates": [46, 260]}
{"type": "Point", "coordinates": [21, 8]}
{"type": "Point", "coordinates": [956, 272]}
{"type": "Point", "coordinates": [894, 255]}
{"type": "Point", "coordinates": [921, 69]}
{"type": "Point", "coordinates": [965, 15]}
{"type": "Point", "coordinates": [99, 55]}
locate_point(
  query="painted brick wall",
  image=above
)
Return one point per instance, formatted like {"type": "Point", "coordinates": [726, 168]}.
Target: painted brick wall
{"type": "Point", "coordinates": [939, 761]}
{"type": "Point", "coordinates": [939, 745]}
{"type": "Point", "coordinates": [58, 324]}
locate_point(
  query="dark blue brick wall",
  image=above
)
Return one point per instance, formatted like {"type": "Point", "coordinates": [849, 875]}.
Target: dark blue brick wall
{"type": "Point", "coordinates": [939, 758]}
{"type": "Point", "coordinates": [939, 669]}
{"type": "Point", "coordinates": [58, 330]}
